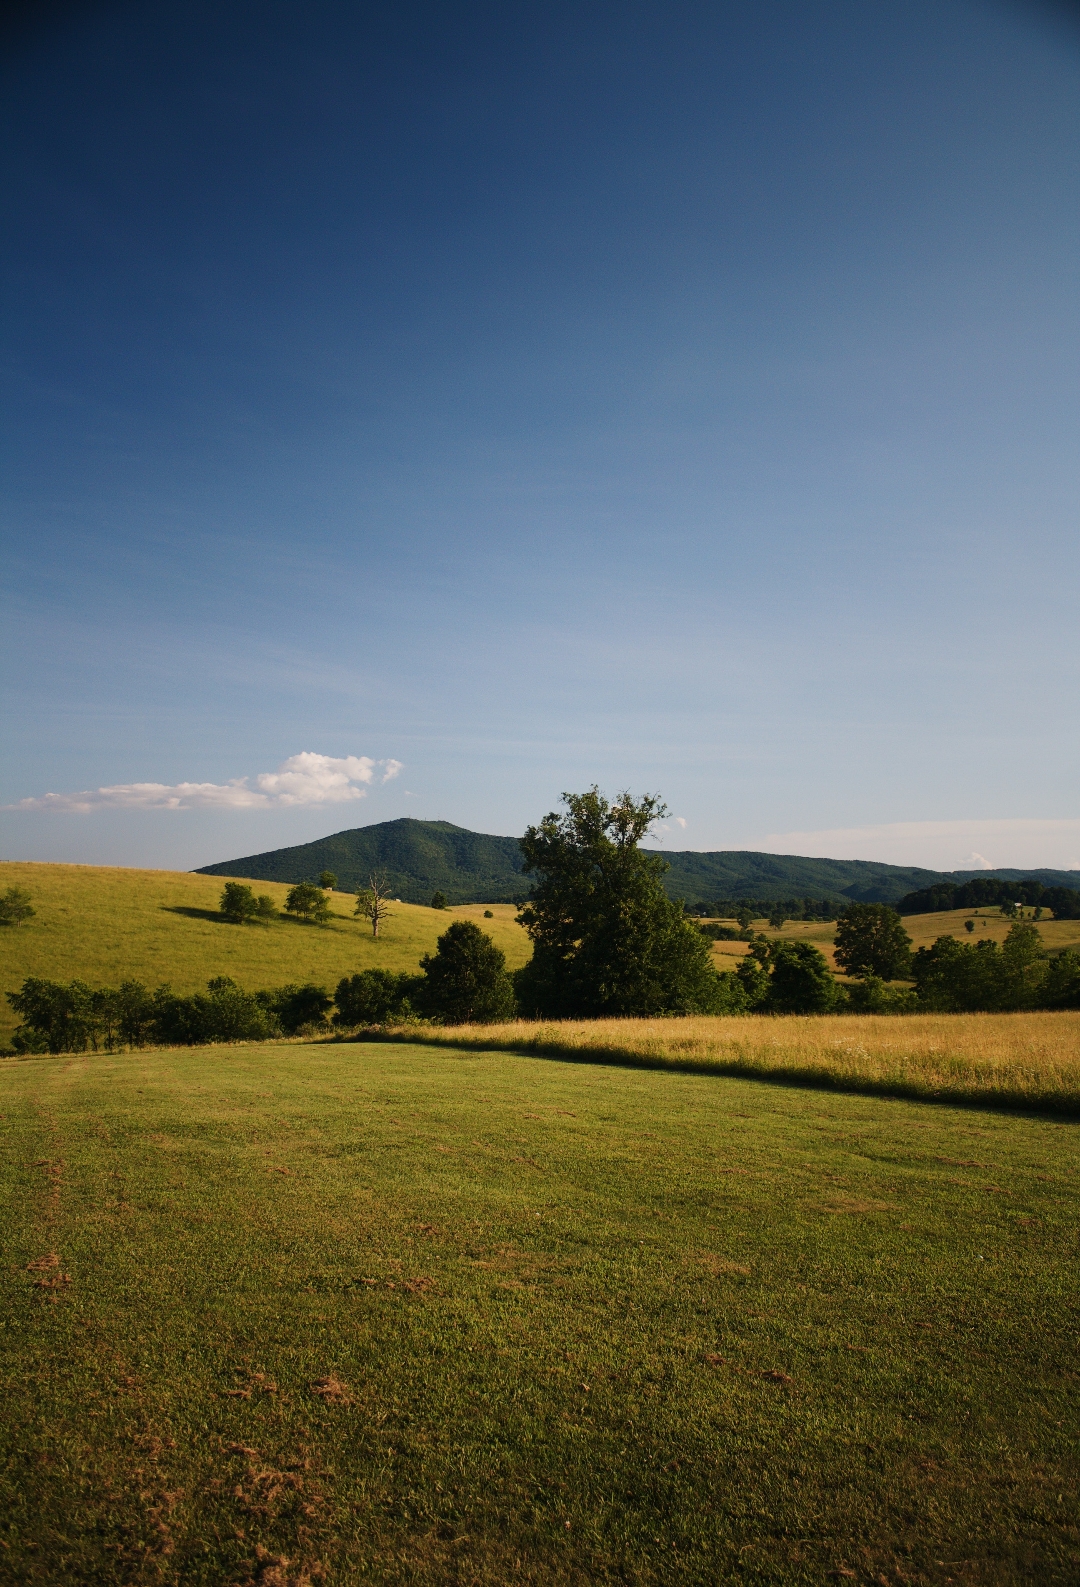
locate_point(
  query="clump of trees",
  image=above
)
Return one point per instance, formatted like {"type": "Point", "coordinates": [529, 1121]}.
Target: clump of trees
{"type": "Point", "coordinates": [871, 940]}
{"type": "Point", "coordinates": [967, 977]}
{"type": "Point", "coordinates": [377, 997]}
{"type": "Point", "coordinates": [73, 1017]}
{"type": "Point", "coordinates": [308, 903]}
{"type": "Point", "coordinates": [986, 892]}
{"type": "Point", "coordinates": [15, 907]}
{"type": "Point", "coordinates": [438, 900]}
{"type": "Point", "coordinates": [239, 904]}
{"type": "Point", "coordinates": [778, 977]}
{"type": "Point", "coordinates": [745, 910]}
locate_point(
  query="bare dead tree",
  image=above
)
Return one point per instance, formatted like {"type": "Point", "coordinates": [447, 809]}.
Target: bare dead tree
{"type": "Point", "coordinates": [374, 902]}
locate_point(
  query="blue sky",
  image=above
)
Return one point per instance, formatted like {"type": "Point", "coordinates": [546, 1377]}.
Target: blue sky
{"type": "Point", "coordinates": [485, 401]}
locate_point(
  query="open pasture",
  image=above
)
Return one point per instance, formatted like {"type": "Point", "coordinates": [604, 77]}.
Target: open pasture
{"type": "Point", "coordinates": [107, 924]}
{"type": "Point", "coordinates": [922, 929]}
{"type": "Point", "coordinates": [379, 1313]}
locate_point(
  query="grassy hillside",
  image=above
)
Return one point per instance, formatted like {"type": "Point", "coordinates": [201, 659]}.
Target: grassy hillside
{"type": "Point", "coordinates": [378, 1314]}
{"type": "Point", "coordinates": [106, 924]}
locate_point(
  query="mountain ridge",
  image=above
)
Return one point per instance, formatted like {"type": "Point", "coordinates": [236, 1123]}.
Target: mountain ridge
{"type": "Point", "coordinates": [423, 857]}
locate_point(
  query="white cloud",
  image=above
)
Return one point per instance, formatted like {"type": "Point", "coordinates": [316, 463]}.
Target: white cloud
{"type": "Point", "coordinates": [305, 779]}
{"type": "Point", "coordinates": [680, 821]}
{"type": "Point", "coordinates": [1019, 843]}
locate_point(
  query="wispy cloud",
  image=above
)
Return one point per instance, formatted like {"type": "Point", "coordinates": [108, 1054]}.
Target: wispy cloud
{"type": "Point", "coordinates": [943, 845]}
{"type": "Point", "coordinates": [305, 779]}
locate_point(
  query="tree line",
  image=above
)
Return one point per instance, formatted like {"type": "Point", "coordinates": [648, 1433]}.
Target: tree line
{"type": "Point", "coordinates": [464, 980]}
{"type": "Point", "coordinates": [744, 910]}
{"type": "Point", "coordinates": [986, 892]}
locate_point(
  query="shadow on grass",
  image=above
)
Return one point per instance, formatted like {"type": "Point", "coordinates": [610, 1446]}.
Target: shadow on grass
{"type": "Point", "coordinates": [794, 1076]}
{"type": "Point", "coordinates": [218, 919]}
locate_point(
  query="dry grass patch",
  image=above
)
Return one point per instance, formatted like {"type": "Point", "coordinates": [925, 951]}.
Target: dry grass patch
{"type": "Point", "coordinates": [1026, 1060]}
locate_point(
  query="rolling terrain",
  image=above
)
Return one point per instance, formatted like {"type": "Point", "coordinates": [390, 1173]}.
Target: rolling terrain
{"type": "Point", "coordinates": [105, 925]}
{"type": "Point", "coordinates": [476, 867]}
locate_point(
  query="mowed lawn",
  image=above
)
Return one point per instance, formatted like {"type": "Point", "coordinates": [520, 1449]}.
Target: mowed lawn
{"type": "Point", "coordinates": [107, 924]}
{"type": "Point", "coordinates": [379, 1313]}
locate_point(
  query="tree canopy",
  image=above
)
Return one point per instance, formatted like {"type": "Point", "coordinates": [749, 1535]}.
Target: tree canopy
{"type": "Point", "coordinates": [871, 940]}
{"type": "Point", "coordinates": [238, 903]}
{"type": "Point", "coordinates": [606, 938]}
{"type": "Point", "coordinates": [15, 907]}
{"type": "Point", "coordinates": [466, 977]}
{"type": "Point", "coordinates": [308, 902]}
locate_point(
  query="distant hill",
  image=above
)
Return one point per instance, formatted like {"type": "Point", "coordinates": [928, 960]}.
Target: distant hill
{"type": "Point", "coordinates": [420, 857]}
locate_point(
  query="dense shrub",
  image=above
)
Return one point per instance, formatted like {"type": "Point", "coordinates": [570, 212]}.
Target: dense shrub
{"type": "Point", "coordinates": [969, 977]}
{"type": "Point", "coordinates": [376, 997]}
{"type": "Point", "coordinates": [225, 1012]}
{"type": "Point", "coordinates": [466, 979]}
{"type": "Point", "coordinates": [299, 1008]}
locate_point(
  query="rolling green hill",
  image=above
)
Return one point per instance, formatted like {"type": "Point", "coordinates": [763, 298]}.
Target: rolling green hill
{"type": "Point", "coordinates": [418, 857]}
{"type": "Point", "coordinates": [105, 925]}
{"type": "Point", "coordinates": [477, 867]}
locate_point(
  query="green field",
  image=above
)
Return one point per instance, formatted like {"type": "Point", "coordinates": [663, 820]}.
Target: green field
{"type": "Point", "coordinates": [106, 924]}
{"type": "Point", "coordinates": [376, 1313]}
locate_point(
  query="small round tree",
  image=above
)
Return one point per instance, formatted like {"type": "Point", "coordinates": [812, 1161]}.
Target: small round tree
{"type": "Point", "coordinates": [308, 903]}
{"type": "Point", "coordinates": [15, 907]}
{"type": "Point", "coordinates": [801, 981]}
{"type": "Point", "coordinates": [467, 981]}
{"type": "Point", "coordinates": [438, 900]}
{"type": "Point", "coordinates": [328, 880]}
{"type": "Point", "coordinates": [238, 903]}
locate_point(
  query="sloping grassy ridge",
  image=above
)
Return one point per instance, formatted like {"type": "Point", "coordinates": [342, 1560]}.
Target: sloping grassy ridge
{"type": "Point", "coordinates": [105, 924]}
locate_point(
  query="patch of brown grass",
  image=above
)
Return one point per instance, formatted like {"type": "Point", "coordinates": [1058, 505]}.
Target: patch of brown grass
{"type": "Point", "coordinates": [1018, 1060]}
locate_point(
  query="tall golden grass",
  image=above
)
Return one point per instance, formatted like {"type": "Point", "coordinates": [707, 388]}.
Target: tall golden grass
{"type": "Point", "coordinates": [1016, 1060]}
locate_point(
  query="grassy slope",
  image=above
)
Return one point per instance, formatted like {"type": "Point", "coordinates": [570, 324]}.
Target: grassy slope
{"type": "Point", "coordinates": [106, 924]}
{"type": "Point", "coordinates": [590, 1325]}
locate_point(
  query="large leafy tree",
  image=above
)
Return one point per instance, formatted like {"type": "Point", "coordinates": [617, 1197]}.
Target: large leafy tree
{"type": "Point", "coordinates": [606, 938]}
{"type": "Point", "coordinates": [871, 940]}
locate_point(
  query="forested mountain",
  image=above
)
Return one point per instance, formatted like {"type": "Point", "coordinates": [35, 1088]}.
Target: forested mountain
{"type": "Point", "coordinates": [420, 857]}
{"type": "Point", "coordinates": [417, 857]}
